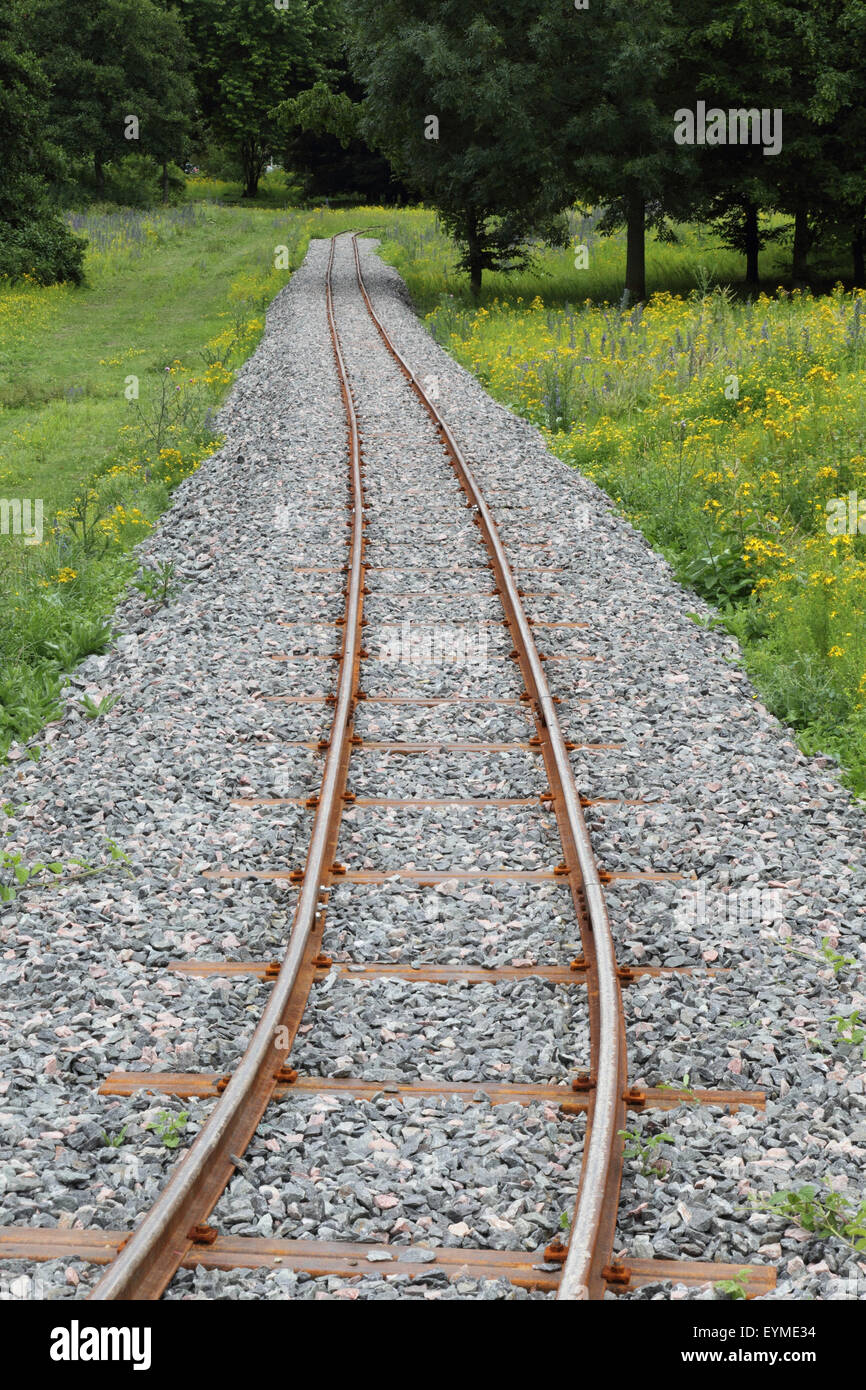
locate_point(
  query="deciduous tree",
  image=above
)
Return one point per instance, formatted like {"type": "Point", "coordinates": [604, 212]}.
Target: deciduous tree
{"type": "Point", "coordinates": [450, 99]}
{"type": "Point", "coordinates": [118, 75]}
{"type": "Point", "coordinates": [32, 239]}
{"type": "Point", "coordinates": [251, 55]}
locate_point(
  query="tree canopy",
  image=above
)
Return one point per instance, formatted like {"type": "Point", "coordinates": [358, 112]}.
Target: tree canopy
{"type": "Point", "coordinates": [32, 239]}
{"type": "Point", "coordinates": [251, 56]}
{"type": "Point", "coordinates": [118, 74]}
{"type": "Point", "coordinates": [501, 114]}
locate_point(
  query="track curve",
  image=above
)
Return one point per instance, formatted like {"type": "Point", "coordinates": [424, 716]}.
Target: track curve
{"type": "Point", "coordinates": [151, 1256]}
{"type": "Point", "coordinates": [594, 1221]}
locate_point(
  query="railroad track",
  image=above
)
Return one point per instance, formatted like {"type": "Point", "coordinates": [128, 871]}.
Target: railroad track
{"type": "Point", "coordinates": [175, 1232]}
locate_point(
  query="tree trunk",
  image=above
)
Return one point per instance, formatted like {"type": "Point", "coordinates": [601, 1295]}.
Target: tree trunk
{"type": "Point", "coordinates": [799, 266]}
{"type": "Point", "coordinates": [753, 244]}
{"type": "Point", "coordinates": [635, 258]}
{"type": "Point", "coordinates": [858, 255]}
{"type": "Point", "coordinates": [252, 169]}
{"type": "Point", "coordinates": [476, 267]}
{"type": "Point", "coordinates": [99, 171]}
{"type": "Point", "coordinates": [165, 181]}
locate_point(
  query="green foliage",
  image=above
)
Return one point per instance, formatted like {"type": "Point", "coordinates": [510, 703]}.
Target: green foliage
{"type": "Point", "coordinates": [92, 710]}
{"type": "Point", "coordinates": [115, 1141]}
{"type": "Point", "coordinates": [838, 962]}
{"type": "Point", "coordinates": [735, 1288]}
{"type": "Point", "coordinates": [612, 85]}
{"type": "Point", "coordinates": [322, 111]}
{"type": "Point", "coordinates": [646, 1151]}
{"type": "Point", "coordinates": [134, 180]}
{"type": "Point", "coordinates": [158, 583]}
{"type": "Point", "coordinates": [850, 1029]}
{"type": "Point", "coordinates": [823, 1211]}
{"type": "Point", "coordinates": [321, 143]}
{"type": "Point", "coordinates": [17, 875]}
{"type": "Point", "coordinates": [718, 574]}
{"type": "Point", "coordinates": [489, 166]}
{"type": "Point", "coordinates": [169, 1128]}
{"type": "Point", "coordinates": [110, 60]}
{"type": "Point", "coordinates": [250, 56]}
{"type": "Point", "coordinates": [685, 1086]}
{"type": "Point", "coordinates": [43, 250]}
{"type": "Point", "coordinates": [33, 242]}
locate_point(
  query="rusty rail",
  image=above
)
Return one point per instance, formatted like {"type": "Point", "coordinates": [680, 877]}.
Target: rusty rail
{"type": "Point", "coordinates": [154, 1253]}
{"type": "Point", "coordinates": [594, 1222]}
{"type": "Point", "coordinates": [145, 1264]}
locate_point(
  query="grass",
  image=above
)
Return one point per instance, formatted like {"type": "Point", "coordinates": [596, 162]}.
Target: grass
{"type": "Point", "coordinates": [276, 190]}
{"type": "Point", "coordinates": [425, 257]}
{"type": "Point", "coordinates": [107, 402]}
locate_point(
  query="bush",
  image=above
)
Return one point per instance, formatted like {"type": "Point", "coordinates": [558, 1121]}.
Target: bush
{"type": "Point", "coordinates": [43, 249]}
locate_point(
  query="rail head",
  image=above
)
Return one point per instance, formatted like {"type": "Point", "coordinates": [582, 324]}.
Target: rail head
{"type": "Point", "coordinates": [149, 1259]}
{"type": "Point", "coordinates": [594, 1219]}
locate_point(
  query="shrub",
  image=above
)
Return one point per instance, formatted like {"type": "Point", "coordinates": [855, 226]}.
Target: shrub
{"type": "Point", "coordinates": [45, 250]}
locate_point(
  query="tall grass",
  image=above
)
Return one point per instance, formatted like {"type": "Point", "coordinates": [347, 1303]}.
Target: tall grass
{"type": "Point", "coordinates": [173, 301]}
{"type": "Point", "coordinates": [416, 244]}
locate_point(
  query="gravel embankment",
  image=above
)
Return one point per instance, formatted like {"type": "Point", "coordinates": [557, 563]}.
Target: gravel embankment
{"type": "Point", "coordinates": [768, 843]}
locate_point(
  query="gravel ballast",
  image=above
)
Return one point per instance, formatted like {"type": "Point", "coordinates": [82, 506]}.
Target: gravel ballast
{"type": "Point", "coordinates": [767, 843]}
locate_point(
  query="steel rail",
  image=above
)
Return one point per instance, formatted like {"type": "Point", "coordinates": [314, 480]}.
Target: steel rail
{"type": "Point", "coordinates": [155, 1251]}
{"type": "Point", "coordinates": [594, 1222]}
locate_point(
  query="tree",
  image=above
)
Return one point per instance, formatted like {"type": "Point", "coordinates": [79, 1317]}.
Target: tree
{"type": "Point", "coordinates": [167, 95]}
{"type": "Point", "coordinates": [816, 60]}
{"type": "Point", "coordinates": [838, 77]}
{"type": "Point", "coordinates": [449, 98]}
{"type": "Point", "coordinates": [611, 83]}
{"type": "Point", "coordinates": [252, 55]}
{"type": "Point", "coordinates": [118, 74]}
{"type": "Point", "coordinates": [321, 141]}
{"type": "Point", "coordinates": [797, 176]}
{"type": "Point", "coordinates": [32, 239]}
{"type": "Point", "coordinates": [737, 59]}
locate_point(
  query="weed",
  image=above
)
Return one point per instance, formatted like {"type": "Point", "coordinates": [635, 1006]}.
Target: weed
{"type": "Point", "coordinates": [158, 583]}
{"type": "Point", "coordinates": [710, 623]}
{"type": "Point", "coordinates": [92, 710]}
{"type": "Point", "coordinates": [850, 1029]}
{"type": "Point", "coordinates": [645, 1151]}
{"type": "Point", "coordinates": [735, 1288]}
{"type": "Point", "coordinates": [118, 855]}
{"type": "Point", "coordinates": [115, 1141]}
{"type": "Point", "coordinates": [685, 1086]}
{"type": "Point", "coordinates": [824, 1212]}
{"type": "Point", "coordinates": [82, 521]}
{"type": "Point", "coordinates": [838, 962]}
{"type": "Point", "coordinates": [17, 875]}
{"type": "Point", "coordinates": [169, 1128]}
